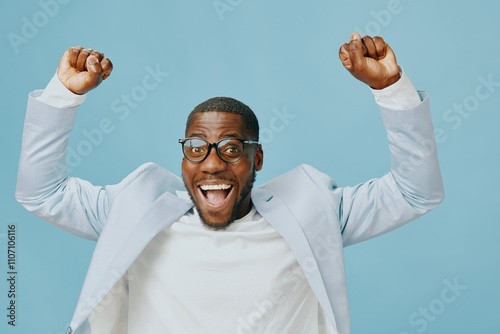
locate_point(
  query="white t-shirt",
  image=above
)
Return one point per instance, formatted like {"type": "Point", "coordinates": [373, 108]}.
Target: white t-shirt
{"type": "Point", "coordinates": [245, 279]}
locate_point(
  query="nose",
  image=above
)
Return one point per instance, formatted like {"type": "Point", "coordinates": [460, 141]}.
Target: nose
{"type": "Point", "coordinates": [213, 163]}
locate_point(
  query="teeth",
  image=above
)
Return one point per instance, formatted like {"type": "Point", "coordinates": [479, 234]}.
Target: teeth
{"type": "Point", "coordinates": [215, 186]}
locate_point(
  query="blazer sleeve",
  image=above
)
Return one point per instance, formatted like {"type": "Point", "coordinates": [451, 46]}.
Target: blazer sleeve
{"type": "Point", "coordinates": [413, 187]}
{"type": "Point", "coordinates": [43, 185]}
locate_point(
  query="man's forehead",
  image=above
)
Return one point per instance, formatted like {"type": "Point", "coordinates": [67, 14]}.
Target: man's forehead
{"type": "Point", "coordinates": [217, 121]}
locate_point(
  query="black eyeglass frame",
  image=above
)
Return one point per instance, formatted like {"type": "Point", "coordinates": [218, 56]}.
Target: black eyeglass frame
{"type": "Point", "coordinates": [216, 145]}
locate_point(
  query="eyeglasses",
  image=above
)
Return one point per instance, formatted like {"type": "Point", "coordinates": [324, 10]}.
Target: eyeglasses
{"type": "Point", "coordinates": [229, 149]}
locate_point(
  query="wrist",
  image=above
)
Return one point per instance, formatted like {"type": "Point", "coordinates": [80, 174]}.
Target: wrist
{"type": "Point", "coordinates": [392, 80]}
{"type": "Point", "coordinates": [63, 80]}
{"type": "Point", "coordinates": [58, 95]}
{"type": "Point", "coordinates": [398, 96]}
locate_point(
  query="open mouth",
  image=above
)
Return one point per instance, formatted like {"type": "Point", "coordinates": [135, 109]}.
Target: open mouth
{"type": "Point", "coordinates": [215, 195]}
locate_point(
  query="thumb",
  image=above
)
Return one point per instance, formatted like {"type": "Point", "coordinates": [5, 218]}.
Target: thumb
{"type": "Point", "coordinates": [344, 56]}
{"type": "Point", "coordinates": [93, 66]}
{"type": "Point", "coordinates": [94, 72]}
{"type": "Point", "coordinates": [355, 36]}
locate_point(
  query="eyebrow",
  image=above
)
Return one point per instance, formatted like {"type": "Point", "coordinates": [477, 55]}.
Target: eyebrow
{"type": "Point", "coordinates": [231, 135]}
{"type": "Point", "coordinates": [225, 135]}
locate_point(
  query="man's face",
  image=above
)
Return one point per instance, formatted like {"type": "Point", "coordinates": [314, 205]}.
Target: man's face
{"type": "Point", "coordinates": [220, 207]}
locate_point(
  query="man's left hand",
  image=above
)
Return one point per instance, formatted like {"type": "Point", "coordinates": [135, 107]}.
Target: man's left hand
{"type": "Point", "coordinates": [370, 60]}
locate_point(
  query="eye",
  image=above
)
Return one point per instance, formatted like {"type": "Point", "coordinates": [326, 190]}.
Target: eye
{"type": "Point", "coordinates": [197, 149]}
{"type": "Point", "coordinates": [231, 150]}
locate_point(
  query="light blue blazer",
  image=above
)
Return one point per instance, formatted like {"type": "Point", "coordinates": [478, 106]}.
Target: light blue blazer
{"type": "Point", "coordinates": [315, 216]}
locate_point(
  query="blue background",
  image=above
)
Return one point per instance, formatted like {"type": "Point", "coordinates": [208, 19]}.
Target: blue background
{"type": "Point", "coordinates": [273, 55]}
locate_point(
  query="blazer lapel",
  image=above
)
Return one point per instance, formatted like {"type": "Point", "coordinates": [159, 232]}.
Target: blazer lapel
{"type": "Point", "coordinates": [279, 215]}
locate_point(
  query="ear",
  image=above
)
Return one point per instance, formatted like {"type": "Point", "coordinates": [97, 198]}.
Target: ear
{"type": "Point", "coordinates": [258, 158]}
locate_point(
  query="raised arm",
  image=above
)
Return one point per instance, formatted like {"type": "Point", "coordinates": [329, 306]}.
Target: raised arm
{"type": "Point", "coordinates": [43, 185]}
{"type": "Point", "coordinates": [414, 185]}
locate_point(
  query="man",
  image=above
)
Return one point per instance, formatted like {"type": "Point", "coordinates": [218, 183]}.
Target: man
{"type": "Point", "coordinates": [209, 253]}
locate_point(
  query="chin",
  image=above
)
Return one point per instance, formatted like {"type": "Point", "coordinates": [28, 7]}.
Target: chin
{"type": "Point", "coordinates": [213, 221]}
{"type": "Point", "coordinates": [215, 226]}
{"type": "Point", "coordinates": [218, 210]}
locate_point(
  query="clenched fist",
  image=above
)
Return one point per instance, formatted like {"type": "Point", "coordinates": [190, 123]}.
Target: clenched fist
{"type": "Point", "coordinates": [82, 70]}
{"type": "Point", "coordinates": [370, 60]}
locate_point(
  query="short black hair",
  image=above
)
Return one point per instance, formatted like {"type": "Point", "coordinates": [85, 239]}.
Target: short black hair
{"type": "Point", "coordinates": [230, 105]}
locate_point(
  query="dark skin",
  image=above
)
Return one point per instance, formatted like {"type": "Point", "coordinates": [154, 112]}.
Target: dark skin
{"type": "Point", "coordinates": [214, 126]}
{"type": "Point", "coordinates": [82, 70]}
{"type": "Point", "coordinates": [370, 60]}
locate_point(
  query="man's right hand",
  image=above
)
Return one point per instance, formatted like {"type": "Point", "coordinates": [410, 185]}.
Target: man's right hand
{"type": "Point", "coordinates": [82, 70]}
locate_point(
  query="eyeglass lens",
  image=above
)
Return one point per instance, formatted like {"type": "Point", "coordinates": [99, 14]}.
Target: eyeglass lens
{"type": "Point", "coordinates": [229, 149]}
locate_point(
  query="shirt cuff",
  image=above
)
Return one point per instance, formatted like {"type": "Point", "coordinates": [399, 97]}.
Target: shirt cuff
{"type": "Point", "coordinates": [57, 95]}
{"type": "Point", "coordinates": [401, 95]}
